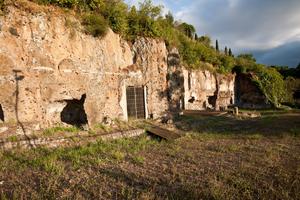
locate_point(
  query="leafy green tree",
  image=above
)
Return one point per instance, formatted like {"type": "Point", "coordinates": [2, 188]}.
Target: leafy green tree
{"type": "Point", "coordinates": [205, 40]}
{"type": "Point", "coordinates": [188, 29]}
{"type": "Point", "coordinates": [133, 22]}
{"type": "Point", "coordinates": [227, 64]}
{"type": "Point", "coordinates": [248, 57]}
{"type": "Point", "coordinates": [246, 62]}
{"type": "Point", "coordinates": [116, 14]}
{"type": "Point", "coordinates": [147, 16]}
{"type": "Point", "coordinates": [148, 9]}
{"type": "Point", "coordinates": [169, 17]}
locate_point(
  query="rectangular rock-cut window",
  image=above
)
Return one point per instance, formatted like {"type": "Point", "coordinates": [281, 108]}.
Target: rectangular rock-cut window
{"type": "Point", "coordinates": [135, 102]}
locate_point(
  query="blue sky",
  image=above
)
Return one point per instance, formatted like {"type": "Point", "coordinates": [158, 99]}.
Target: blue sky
{"type": "Point", "coordinates": [270, 29]}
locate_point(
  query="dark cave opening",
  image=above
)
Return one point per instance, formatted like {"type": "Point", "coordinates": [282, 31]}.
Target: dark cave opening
{"type": "Point", "coordinates": [74, 113]}
{"type": "Point", "coordinates": [212, 100]}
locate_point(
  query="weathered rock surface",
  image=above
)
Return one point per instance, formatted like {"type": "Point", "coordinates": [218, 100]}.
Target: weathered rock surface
{"type": "Point", "coordinates": [45, 67]}
{"type": "Point", "coordinates": [248, 95]}
{"type": "Point", "coordinates": [51, 72]}
{"type": "Point", "coordinates": [206, 90]}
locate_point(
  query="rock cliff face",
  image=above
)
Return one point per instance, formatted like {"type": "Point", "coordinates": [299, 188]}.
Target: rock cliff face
{"type": "Point", "coordinates": [248, 95]}
{"type": "Point", "coordinates": [206, 90]}
{"type": "Point", "coordinates": [52, 73]}
{"type": "Point", "coordinates": [48, 73]}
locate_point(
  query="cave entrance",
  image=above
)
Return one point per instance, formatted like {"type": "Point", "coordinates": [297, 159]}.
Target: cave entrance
{"type": "Point", "coordinates": [1, 114]}
{"type": "Point", "coordinates": [74, 113]}
{"type": "Point", "coordinates": [212, 100]}
{"type": "Point", "coordinates": [136, 102]}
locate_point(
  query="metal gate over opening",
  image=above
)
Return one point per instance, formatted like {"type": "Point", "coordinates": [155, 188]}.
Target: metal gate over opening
{"type": "Point", "coordinates": [135, 102]}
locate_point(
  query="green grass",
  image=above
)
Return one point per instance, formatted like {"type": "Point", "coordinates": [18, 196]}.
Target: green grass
{"type": "Point", "coordinates": [138, 159]}
{"type": "Point", "coordinates": [13, 138]}
{"type": "Point", "coordinates": [102, 127]}
{"type": "Point", "coordinates": [60, 129]}
{"type": "Point", "coordinates": [244, 163]}
{"type": "Point", "coordinates": [50, 159]}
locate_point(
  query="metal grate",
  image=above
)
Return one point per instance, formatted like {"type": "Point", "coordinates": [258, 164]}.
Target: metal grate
{"type": "Point", "coordinates": [135, 102]}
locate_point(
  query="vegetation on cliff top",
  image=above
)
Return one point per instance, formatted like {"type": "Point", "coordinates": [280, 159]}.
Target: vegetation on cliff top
{"type": "Point", "coordinates": [147, 21]}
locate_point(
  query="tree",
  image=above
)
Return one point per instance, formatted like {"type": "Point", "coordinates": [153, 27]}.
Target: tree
{"type": "Point", "coordinates": [169, 17]}
{"type": "Point", "coordinates": [205, 40]}
{"type": "Point", "coordinates": [133, 22]}
{"type": "Point", "coordinates": [188, 29]}
{"type": "Point", "coordinates": [230, 53]}
{"type": "Point", "coordinates": [217, 45]}
{"type": "Point", "coordinates": [196, 36]}
{"type": "Point", "coordinates": [247, 62]}
{"type": "Point", "coordinates": [226, 51]}
{"type": "Point", "coordinates": [248, 57]}
{"type": "Point", "coordinates": [144, 22]}
{"type": "Point", "coordinates": [116, 14]}
{"type": "Point", "coordinates": [298, 67]}
{"type": "Point", "coordinates": [149, 10]}
{"type": "Point", "coordinates": [227, 63]}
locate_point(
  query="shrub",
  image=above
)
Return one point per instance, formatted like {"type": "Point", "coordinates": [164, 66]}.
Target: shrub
{"type": "Point", "coordinates": [95, 25]}
{"type": "Point", "coordinates": [272, 84]}
{"type": "Point", "coordinates": [292, 85]}
{"type": "Point", "coordinates": [239, 69]}
{"type": "Point", "coordinates": [227, 64]}
{"type": "Point", "coordinates": [66, 3]}
{"type": "Point", "coordinates": [115, 12]}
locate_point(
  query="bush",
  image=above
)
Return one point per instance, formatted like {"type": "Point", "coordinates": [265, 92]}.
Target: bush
{"type": "Point", "coordinates": [292, 85]}
{"type": "Point", "coordinates": [239, 69]}
{"type": "Point", "coordinates": [95, 25]}
{"type": "Point", "coordinates": [115, 12]}
{"type": "Point", "coordinates": [272, 84]}
{"type": "Point", "coordinates": [228, 63]}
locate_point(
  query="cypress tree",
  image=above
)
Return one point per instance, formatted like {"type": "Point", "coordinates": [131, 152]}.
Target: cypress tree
{"type": "Point", "coordinates": [196, 36]}
{"type": "Point", "coordinates": [226, 51]}
{"type": "Point", "coordinates": [230, 52]}
{"type": "Point", "coordinates": [217, 45]}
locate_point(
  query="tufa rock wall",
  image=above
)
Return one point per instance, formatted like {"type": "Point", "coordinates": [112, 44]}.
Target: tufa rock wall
{"type": "Point", "coordinates": [248, 94]}
{"type": "Point", "coordinates": [207, 90]}
{"type": "Point", "coordinates": [51, 74]}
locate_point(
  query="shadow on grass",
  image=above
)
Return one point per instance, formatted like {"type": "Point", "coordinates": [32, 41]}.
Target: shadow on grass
{"type": "Point", "coordinates": [161, 188]}
{"type": "Point", "coordinates": [270, 125]}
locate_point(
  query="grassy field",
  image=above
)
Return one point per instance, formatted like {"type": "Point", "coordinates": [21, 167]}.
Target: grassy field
{"type": "Point", "coordinates": [219, 158]}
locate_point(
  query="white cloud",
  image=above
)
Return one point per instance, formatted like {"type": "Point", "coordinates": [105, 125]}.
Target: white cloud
{"type": "Point", "coordinates": [243, 24]}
